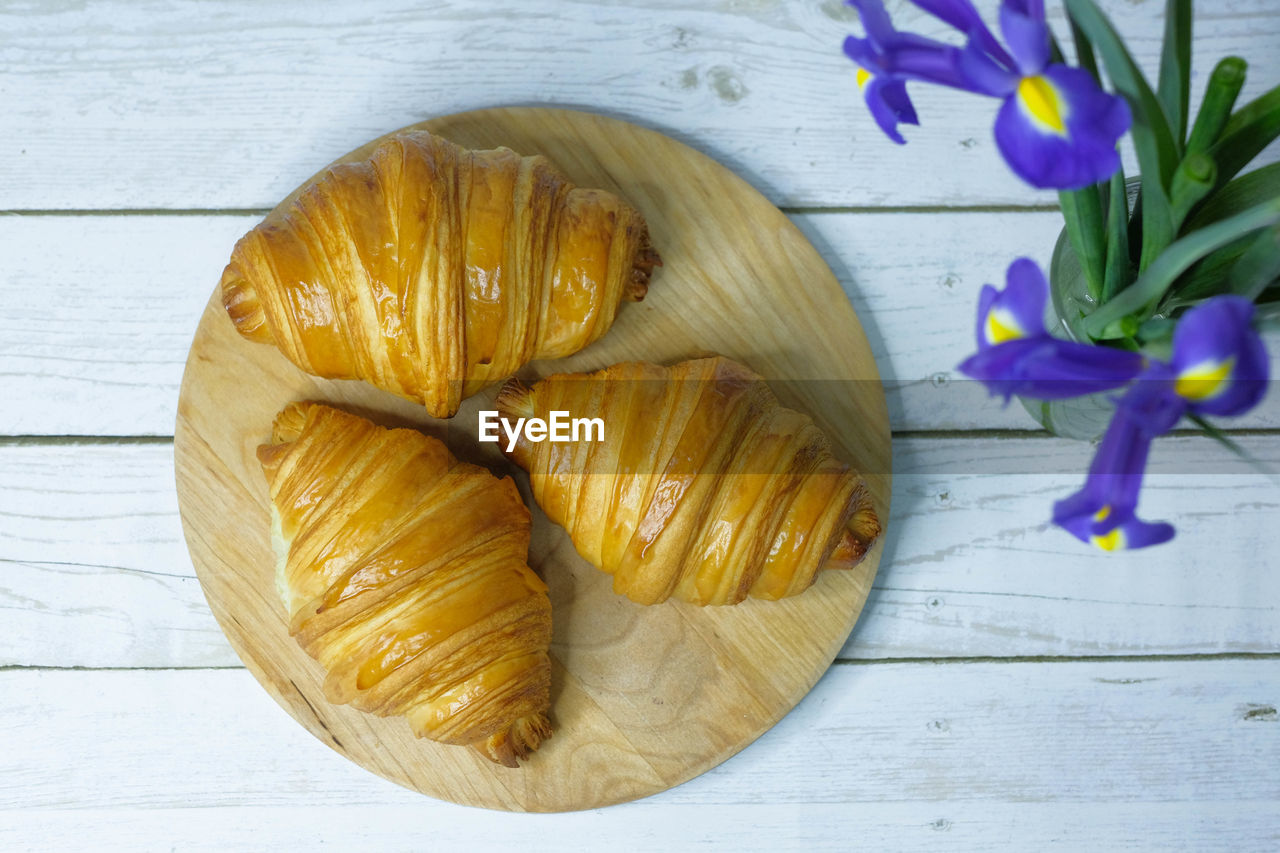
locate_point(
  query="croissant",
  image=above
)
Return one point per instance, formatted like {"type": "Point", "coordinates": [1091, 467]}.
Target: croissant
{"type": "Point", "coordinates": [403, 572]}
{"type": "Point", "coordinates": [703, 487]}
{"type": "Point", "coordinates": [431, 271]}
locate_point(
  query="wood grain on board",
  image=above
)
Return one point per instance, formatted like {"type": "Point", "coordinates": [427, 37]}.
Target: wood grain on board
{"type": "Point", "coordinates": [643, 697]}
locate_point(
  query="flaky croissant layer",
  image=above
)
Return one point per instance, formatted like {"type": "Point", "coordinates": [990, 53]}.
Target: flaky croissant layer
{"type": "Point", "coordinates": [704, 487]}
{"type": "Point", "coordinates": [431, 271]}
{"type": "Point", "coordinates": [404, 575]}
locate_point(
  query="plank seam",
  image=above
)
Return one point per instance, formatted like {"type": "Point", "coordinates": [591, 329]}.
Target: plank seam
{"type": "Point", "coordinates": [1017, 659]}
{"type": "Point", "coordinates": [971, 660]}
{"type": "Point", "coordinates": [33, 440]}
{"type": "Point", "coordinates": [790, 210]}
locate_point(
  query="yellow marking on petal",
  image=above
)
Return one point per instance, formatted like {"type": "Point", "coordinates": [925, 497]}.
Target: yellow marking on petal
{"type": "Point", "coordinates": [1102, 514]}
{"type": "Point", "coordinates": [1113, 541]}
{"type": "Point", "coordinates": [1204, 380]}
{"type": "Point", "coordinates": [863, 77]}
{"type": "Point", "coordinates": [1039, 97]}
{"type": "Point", "coordinates": [1002, 326]}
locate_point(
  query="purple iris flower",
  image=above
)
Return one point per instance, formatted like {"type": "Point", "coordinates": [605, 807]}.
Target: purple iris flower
{"type": "Point", "coordinates": [1219, 362]}
{"type": "Point", "coordinates": [1218, 367]}
{"type": "Point", "coordinates": [1056, 128]}
{"type": "Point", "coordinates": [887, 58]}
{"type": "Point", "coordinates": [1104, 512]}
{"type": "Point", "coordinates": [1017, 356]}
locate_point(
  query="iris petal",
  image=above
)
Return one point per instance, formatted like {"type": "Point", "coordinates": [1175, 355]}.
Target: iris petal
{"type": "Point", "coordinates": [1204, 381]}
{"type": "Point", "coordinates": [1017, 356]}
{"type": "Point", "coordinates": [1102, 513]}
{"type": "Point", "coordinates": [962, 15]}
{"type": "Point", "coordinates": [1043, 105]}
{"type": "Point", "coordinates": [875, 20]}
{"type": "Point", "coordinates": [1219, 360]}
{"type": "Point", "coordinates": [1084, 152]}
{"type": "Point", "coordinates": [985, 76]}
{"type": "Point", "coordinates": [1033, 9]}
{"type": "Point", "coordinates": [1025, 294]}
{"type": "Point", "coordinates": [1028, 38]}
{"type": "Point", "coordinates": [1133, 533]}
{"type": "Point", "coordinates": [1047, 368]}
{"type": "Point", "coordinates": [906, 56]}
{"type": "Point", "coordinates": [1002, 327]}
{"type": "Point", "coordinates": [889, 105]}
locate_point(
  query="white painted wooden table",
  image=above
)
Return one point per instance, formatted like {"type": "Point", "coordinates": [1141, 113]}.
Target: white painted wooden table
{"type": "Point", "coordinates": [1005, 688]}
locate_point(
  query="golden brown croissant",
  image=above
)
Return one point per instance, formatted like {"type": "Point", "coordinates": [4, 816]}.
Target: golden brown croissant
{"type": "Point", "coordinates": [703, 488]}
{"type": "Point", "coordinates": [404, 575]}
{"type": "Point", "coordinates": [432, 271]}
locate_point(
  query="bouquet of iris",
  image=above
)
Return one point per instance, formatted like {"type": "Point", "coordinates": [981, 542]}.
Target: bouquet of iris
{"type": "Point", "coordinates": [1158, 284]}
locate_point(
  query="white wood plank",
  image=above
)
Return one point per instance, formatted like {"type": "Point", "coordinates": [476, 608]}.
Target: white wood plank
{"type": "Point", "coordinates": [94, 572]}
{"type": "Point", "coordinates": [100, 311]}
{"type": "Point", "coordinates": [93, 565]}
{"type": "Point", "coordinates": [658, 826]}
{"type": "Point", "coordinates": [173, 104]}
{"type": "Point", "coordinates": [1126, 755]}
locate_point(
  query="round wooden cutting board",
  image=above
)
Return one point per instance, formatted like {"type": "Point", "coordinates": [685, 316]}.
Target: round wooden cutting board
{"type": "Point", "coordinates": [643, 698]}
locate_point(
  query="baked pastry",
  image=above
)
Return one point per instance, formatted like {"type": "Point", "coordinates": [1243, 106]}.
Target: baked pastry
{"type": "Point", "coordinates": [703, 488]}
{"type": "Point", "coordinates": [403, 573]}
{"type": "Point", "coordinates": [431, 271]}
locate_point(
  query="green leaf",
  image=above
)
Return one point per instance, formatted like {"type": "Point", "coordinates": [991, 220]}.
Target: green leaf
{"type": "Point", "coordinates": [1226, 441]}
{"type": "Point", "coordinates": [1248, 190]}
{"type": "Point", "coordinates": [1268, 318]}
{"type": "Point", "coordinates": [1192, 182]}
{"type": "Point", "coordinates": [1175, 66]}
{"type": "Point", "coordinates": [1207, 277]}
{"type": "Point", "coordinates": [1082, 212]}
{"type": "Point", "coordinates": [1252, 128]}
{"type": "Point", "coordinates": [1143, 295]}
{"type": "Point", "coordinates": [1256, 109]}
{"type": "Point", "coordinates": [1117, 274]}
{"type": "Point", "coordinates": [1084, 51]}
{"type": "Point", "coordinates": [1157, 329]}
{"type": "Point", "coordinates": [1220, 95]}
{"type": "Point", "coordinates": [1259, 266]}
{"type": "Point", "coordinates": [1158, 154]}
{"type": "Point", "coordinates": [1056, 55]}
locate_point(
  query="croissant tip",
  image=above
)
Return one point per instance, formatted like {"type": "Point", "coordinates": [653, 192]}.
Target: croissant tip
{"type": "Point", "coordinates": [515, 398]}
{"type": "Point", "coordinates": [240, 299]}
{"type": "Point", "coordinates": [515, 743]}
{"type": "Point", "coordinates": [859, 534]}
{"type": "Point", "coordinates": [646, 259]}
{"type": "Point", "coordinates": [290, 421]}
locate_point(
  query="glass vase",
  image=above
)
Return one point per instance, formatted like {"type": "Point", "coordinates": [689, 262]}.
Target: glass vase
{"type": "Point", "coordinates": [1083, 418]}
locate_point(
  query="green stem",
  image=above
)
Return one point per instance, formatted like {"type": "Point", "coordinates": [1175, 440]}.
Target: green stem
{"type": "Point", "coordinates": [1258, 268]}
{"type": "Point", "coordinates": [1195, 177]}
{"type": "Point", "coordinates": [1116, 275]}
{"type": "Point", "coordinates": [1174, 83]}
{"type": "Point", "coordinates": [1229, 443]}
{"type": "Point", "coordinates": [1219, 97]}
{"type": "Point", "coordinates": [1158, 230]}
{"type": "Point", "coordinates": [1084, 50]}
{"type": "Point", "coordinates": [1153, 140]}
{"type": "Point", "coordinates": [1145, 293]}
{"type": "Point", "coordinates": [1249, 130]}
{"type": "Point", "coordinates": [1082, 212]}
